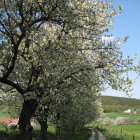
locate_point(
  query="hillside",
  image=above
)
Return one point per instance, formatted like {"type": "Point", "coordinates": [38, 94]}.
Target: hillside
{"type": "Point", "coordinates": [115, 104]}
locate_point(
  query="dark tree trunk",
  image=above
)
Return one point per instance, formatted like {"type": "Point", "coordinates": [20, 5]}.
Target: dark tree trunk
{"type": "Point", "coordinates": [25, 127]}
{"type": "Point", "coordinates": [58, 130]}
{"type": "Point", "coordinates": [43, 131]}
{"type": "Point", "coordinates": [43, 123]}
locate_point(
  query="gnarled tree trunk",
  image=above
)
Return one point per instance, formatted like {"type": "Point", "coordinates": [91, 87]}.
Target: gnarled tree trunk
{"type": "Point", "coordinates": [25, 127]}
{"type": "Point", "coordinates": [58, 129]}
{"type": "Point", "coordinates": [43, 131]}
{"type": "Point", "coordinates": [43, 123]}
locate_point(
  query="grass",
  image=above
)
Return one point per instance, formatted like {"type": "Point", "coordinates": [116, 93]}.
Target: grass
{"type": "Point", "coordinates": [84, 134]}
{"type": "Point", "coordinates": [51, 129]}
{"type": "Point", "coordinates": [122, 132]}
{"type": "Point", "coordinates": [3, 112]}
{"type": "Point", "coordinates": [109, 136]}
{"type": "Point", "coordinates": [4, 115]}
{"type": "Point", "coordinates": [9, 133]}
{"type": "Point", "coordinates": [114, 115]}
{"type": "Point", "coordinates": [129, 129]}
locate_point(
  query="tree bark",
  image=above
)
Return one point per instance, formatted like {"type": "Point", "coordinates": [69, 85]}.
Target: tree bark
{"type": "Point", "coordinates": [58, 132]}
{"type": "Point", "coordinates": [58, 129]}
{"type": "Point", "coordinates": [43, 131]}
{"type": "Point", "coordinates": [25, 127]}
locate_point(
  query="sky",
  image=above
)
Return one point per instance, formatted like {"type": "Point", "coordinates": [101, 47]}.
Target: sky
{"type": "Point", "coordinates": [128, 24]}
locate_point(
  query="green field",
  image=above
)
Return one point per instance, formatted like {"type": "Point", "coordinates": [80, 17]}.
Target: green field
{"type": "Point", "coordinates": [129, 129]}
{"type": "Point", "coordinates": [120, 101]}
{"type": "Point", "coordinates": [122, 132]}
{"type": "Point", "coordinates": [119, 104]}
{"type": "Point", "coordinates": [114, 115]}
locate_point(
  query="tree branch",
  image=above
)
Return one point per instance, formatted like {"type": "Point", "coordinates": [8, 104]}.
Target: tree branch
{"type": "Point", "coordinates": [12, 84]}
{"type": "Point", "coordinates": [76, 72]}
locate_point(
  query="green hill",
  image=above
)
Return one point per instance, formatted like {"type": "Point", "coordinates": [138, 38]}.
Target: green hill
{"type": "Point", "coordinates": [116, 104]}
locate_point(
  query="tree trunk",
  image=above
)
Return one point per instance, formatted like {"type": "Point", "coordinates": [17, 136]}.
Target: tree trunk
{"type": "Point", "coordinates": [43, 131]}
{"type": "Point", "coordinates": [58, 130]}
{"type": "Point", "coordinates": [43, 123]}
{"type": "Point", "coordinates": [25, 127]}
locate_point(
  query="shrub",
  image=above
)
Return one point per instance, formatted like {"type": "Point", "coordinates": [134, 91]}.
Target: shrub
{"type": "Point", "coordinates": [105, 121]}
{"type": "Point", "coordinates": [124, 120]}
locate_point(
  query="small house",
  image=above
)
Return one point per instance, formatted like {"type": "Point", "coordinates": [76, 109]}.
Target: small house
{"type": "Point", "coordinates": [128, 111]}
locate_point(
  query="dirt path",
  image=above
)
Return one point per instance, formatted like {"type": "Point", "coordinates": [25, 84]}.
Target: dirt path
{"type": "Point", "coordinates": [92, 136]}
{"type": "Point", "coordinates": [100, 136]}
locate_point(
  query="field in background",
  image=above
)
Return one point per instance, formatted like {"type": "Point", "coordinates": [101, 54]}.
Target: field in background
{"type": "Point", "coordinates": [122, 132]}
{"type": "Point", "coordinates": [114, 115]}
{"type": "Point", "coordinates": [119, 104]}
{"type": "Point", "coordinates": [116, 120]}
{"type": "Point", "coordinates": [112, 100]}
{"type": "Point", "coordinates": [129, 129]}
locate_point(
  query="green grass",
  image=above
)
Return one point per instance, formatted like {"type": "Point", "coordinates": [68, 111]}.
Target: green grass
{"type": "Point", "coordinates": [129, 129]}
{"type": "Point", "coordinates": [4, 115]}
{"type": "Point", "coordinates": [122, 132]}
{"type": "Point", "coordinates": [7, 133]}
{"type": "Point", "coordinates": [51, 129]}
{"type": "Point", "coordinates": [84, 134]}
{"type": "Point", "coordinates": [120, 101]}
{"type": "Point", "coordinates": [114, 115]}
{"type": "Point", "coordinates": [3, 112]}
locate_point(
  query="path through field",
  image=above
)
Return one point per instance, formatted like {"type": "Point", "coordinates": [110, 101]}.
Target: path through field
{"type": "Point", "coordinates": [100, 136]}
{"type": "Point", "coordinates": [92, 136]}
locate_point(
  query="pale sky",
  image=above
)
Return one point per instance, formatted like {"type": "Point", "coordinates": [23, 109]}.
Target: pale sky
{"type": "Point", "coordinates": [128, 23]}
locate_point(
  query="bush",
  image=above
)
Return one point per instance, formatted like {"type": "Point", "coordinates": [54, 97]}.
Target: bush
{"type": "Point", "coordinates": [105, 121]}
{"type": "Point", "coordinates": [124, 120]}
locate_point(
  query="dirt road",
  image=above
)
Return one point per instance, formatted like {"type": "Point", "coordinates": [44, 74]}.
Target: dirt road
{"type": "Point", "coordinates": [99, 134]}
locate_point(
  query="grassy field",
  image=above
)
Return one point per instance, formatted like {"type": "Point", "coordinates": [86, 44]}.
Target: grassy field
{"type": "Point", "coordinates": [119, 104]}
{"type": "Point", "coordinates": [120, 101]}
{"type": "Point", "coordinates": [122, 132]}
{"type": "Point", "coordinates": [129, 129]}
{"type": "Point", "coordinates": [114, 115]}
